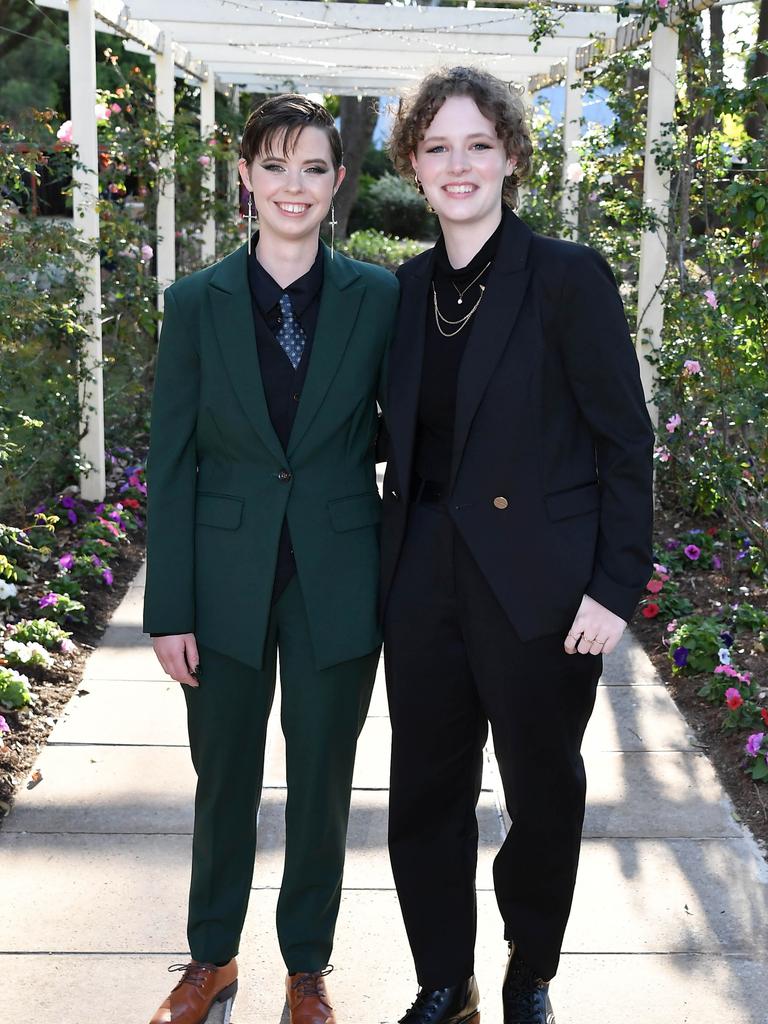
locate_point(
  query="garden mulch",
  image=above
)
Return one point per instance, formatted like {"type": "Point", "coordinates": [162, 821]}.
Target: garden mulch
{"type": "Point", "coordinates": [54, 686]}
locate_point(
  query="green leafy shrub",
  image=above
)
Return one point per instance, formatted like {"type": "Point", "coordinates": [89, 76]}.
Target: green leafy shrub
{"type": "Point", "coordinates": [14, 689]}
{"type": "Point", "coordinates": [376, 247]}
{"type": "Point", "coordinates": [40, 631]}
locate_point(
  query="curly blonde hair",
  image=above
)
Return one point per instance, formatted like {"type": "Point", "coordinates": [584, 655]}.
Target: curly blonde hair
{"type": "Point", "coordinates": [499, 102]}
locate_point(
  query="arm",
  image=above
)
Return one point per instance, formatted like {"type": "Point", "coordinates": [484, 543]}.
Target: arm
{"type": "Point", "coordinates": [172, 476]}
{"type": "Point", "coordinates": [602, 369]}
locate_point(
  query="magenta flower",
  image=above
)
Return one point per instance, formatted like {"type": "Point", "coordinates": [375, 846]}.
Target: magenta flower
{"type": "Point", "coordinates": [654, 586]}
{"type": "Point", "coordinates": [95, 560]}
{"type": "Point", "coordinates": [134, 480]}
{"type": "Point", "coordinates": [107, 578]}
{"type": "Point", "coordinates": [754, 743]}
{"type": "Point", "coordinates": [4, 727]}
{"type": "Point", "coordinates": [717, 562]}
{"type": "Point", "coordinates": [48, 599]}
{"type": "Point", "coordinates": [711, 298]}
{"type": "Point", "coordinates": [691, 367]}
{"type": "Point", "coordinates": [204, 160]}
{"type": "Point", "coordinates": [663, 4]}
{"type": "Point", "coordinates": [674, 422]}
{"type": "Point", "coordinates": [115, 108]}
{"type": "Point", "coordinates": [733, 698]}
{"type": "Point", "coordinates": [67, 561]}
{"type": "Point", "coordinates": [692, 552]}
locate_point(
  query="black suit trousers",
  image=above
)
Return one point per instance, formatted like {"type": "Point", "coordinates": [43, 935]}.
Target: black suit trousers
{"type": "Point", "coordinates": [454, 664]}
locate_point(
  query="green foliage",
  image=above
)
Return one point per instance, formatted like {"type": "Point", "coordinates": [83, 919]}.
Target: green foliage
{"type": "Point", "coordinates": [40, 631]}
{"type": "Point", "coordinates": [377, 247]}
{"type": "Point", "coordinates": [392, 205]}
{"type": "Point", "coordinates": [62, 608]}
{"type": "Point", "coordinates": [700, 636]}
{"type": "Point", "coordinates": [14, 689]}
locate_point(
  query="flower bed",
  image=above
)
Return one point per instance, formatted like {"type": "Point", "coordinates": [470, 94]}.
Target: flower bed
{"type": "Point", "coordinates": [61, 576]}
{"type": "Point", "coordinates": [704, 623]}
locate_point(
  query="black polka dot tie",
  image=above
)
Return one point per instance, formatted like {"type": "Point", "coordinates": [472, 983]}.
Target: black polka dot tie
{"type": "Point", "coordinates": [290, 334]}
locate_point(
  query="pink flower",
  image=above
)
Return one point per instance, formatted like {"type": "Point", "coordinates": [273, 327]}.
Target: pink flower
{"type": "Point", "coordinates": [102, 112]}
{"type": "Point", "coordinates": [754, 743]}
{"type": "Point", "coordinates": [147, 252]}
{"type": "Point", "coordinates": [67, 561]}
{"type": "Point", "coordinates": [115, 108]}
{"type": "Point", "coordinates": [733, 698]}
{"type": "Point", "coordinates": [4, 727]}
{"type": "Point", "coordinates": [654, 586]}
{"type": "Point", "coordinates": [711, 298]}
{"type": "Point", "coordinates": [727, 670]}
{"type": "Point", "coordinates": [672, 626]}
{"type": "Point", "coordinates": [64, 134]}
{"type": "Point", "coordinates": [691, 367]}
{"type": "Point", "coordinates": [674, 422]}
{"type": "Point", "coordinates": [663, 4]}
{"type": "Point", "coordinates": [692, 552]}
{"type": "Point", "coordinates": [67, 646]}
{"type": "Point", "coordinates": [663, 453]}
{"type": "Point", "coordinates": [204, 160]}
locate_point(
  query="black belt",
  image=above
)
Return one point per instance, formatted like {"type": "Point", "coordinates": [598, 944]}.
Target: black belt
{"type": "Point", "coordinates": [427, 490]}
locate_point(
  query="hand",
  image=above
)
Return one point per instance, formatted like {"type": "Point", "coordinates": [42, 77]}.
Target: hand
{"type": "Point", "coordinates": [178, 656]}
{"type": "Point", "coordinates": [595, 630]}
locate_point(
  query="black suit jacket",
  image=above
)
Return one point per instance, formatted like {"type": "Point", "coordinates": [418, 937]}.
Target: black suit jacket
{"type": "Point", "coordinates": [551, 477]}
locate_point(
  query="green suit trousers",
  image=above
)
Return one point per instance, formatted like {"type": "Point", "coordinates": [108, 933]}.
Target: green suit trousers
{"type": "Point", "coordinates": [322, 712]}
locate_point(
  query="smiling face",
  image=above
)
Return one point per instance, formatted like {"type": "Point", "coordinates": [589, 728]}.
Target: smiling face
{"type": "Point", "coordinates": [293, 186]}
{"type": "Point", "coordinates": [461, 164]}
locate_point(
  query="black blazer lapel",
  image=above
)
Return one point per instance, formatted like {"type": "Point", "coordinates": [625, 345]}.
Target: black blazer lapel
{"type": "Point", "coordinates": [343, 290]}
{"type": "Point", "coordinates": [230, 297]}
{"type": "Point", "coordinates": [492, 329]}
{"type": "Point", "coordinates": [405, 361]}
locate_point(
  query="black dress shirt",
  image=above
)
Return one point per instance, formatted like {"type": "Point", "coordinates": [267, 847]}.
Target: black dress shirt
{"type": "Point", "coordinates": [282, 384]}
{"type": "Point", "coordinates": [442, 356]}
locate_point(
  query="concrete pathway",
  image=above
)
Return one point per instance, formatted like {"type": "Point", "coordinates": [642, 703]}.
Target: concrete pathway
{"type": "Point", "coordinates": [669, 926]}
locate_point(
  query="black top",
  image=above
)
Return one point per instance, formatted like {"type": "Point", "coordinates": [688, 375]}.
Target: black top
{"type": "Point", "coordinates": [282, 384]}
{"type": "Point", "coordinates": [442, 356]}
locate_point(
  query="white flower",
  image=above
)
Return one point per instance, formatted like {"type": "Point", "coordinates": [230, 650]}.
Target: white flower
{"type": "Point", "coordinates": [574, 173]}
{"type": "Point", "coordinates": [26, 654]}
{"type": "Point", "coordinates": [7, 590]}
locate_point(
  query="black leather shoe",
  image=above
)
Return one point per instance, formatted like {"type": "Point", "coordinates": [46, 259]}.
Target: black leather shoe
{"type": "Point", "coordinates": [457, 1004]}
{"type": "Point", "coordinates": [524, 996]}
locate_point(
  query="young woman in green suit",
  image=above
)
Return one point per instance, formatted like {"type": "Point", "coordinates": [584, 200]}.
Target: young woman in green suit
{"type": "Point", "coordinates": [263, 537]}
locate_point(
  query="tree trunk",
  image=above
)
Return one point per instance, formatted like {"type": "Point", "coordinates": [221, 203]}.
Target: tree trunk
{"type": "Point", "coordinates": [716, 45]}
{"type": "Point", "coordinates": [757, 121]}
{"type": "Point", "coordinates": [358, 119]}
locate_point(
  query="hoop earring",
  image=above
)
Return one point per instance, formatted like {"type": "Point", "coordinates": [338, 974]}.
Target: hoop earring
{"type": "Point", "coordinates": [250, 220]}
{"type": "Point", "coordinates": [333, 229]}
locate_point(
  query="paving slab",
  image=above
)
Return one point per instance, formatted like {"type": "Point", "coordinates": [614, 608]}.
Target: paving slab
{"type": "Point", "coordinates": [115, 712]}
{"type": "Point", "coordinates": [629, 665]}
{"type": "Point", "coordinates": [636, 718]}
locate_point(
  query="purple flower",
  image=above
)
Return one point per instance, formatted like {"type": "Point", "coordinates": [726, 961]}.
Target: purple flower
{"type": "Point", "coordinates": [67, 561]}
{"type": "Point", "coordinates": [695, 533]}
{"type": "Point", "coordinates": [107, 578]}
{"type": "Point", "coordinates": [95, 560]}
{"type": "Point", "coordinates": [692, 552]}
{"type": "Point", "coordinates": [717, 562]}
{"type": "Point", "coordinates": [67, 501]}
{"type": "Point", "coordinates": [71, 516]}
{"type": "Point", "coordinates": [671, 544]}
{"type": "Point", "coordinates": [727, 638]}
{"type": "Point", "coordinates": [680, 656]}
{"type": "Point", "coordinates": [99, 509]}
{"type": "Point", "coordinates": [48, 599]}
{"type": "Point", "coordinates": [754, 743]}
{"type": "Point", "coordinates": [4, 727]}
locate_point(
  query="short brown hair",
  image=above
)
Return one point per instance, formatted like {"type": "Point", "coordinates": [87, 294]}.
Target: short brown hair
{"type": "Point", "coordinates": [287, 115]}
{"type": "Point", "coordinates": [499, 102]}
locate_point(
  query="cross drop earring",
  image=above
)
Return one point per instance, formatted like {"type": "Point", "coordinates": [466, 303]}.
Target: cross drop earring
{"type": "Point", "coordinates": [250, 220]}
{"type": "Point", "coordinates": [333, 229]}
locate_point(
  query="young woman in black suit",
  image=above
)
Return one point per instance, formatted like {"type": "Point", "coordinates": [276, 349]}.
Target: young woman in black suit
{"type": "Point", "coordinates": [516, 543]}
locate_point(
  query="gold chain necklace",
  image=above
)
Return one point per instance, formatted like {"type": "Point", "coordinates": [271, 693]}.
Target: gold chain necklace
{"type": "Point", "coordinates": [474, 280]}
{"type": "Point", "coordinates": [453, 323]}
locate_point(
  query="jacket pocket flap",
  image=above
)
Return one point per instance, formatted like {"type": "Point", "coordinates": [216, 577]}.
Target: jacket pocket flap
{"type": "Point", "coordinates": [220, 510]}
{"type": "Point", "coordinates": [353, 513]}
{"type": "Point", "coordinates": [575, 502]}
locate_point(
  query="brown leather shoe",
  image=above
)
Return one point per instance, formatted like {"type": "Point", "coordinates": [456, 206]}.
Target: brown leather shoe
{"type": "Point", "coordinates": [307, 997]}
{"type": "Point", "coordinates": [203, 988]}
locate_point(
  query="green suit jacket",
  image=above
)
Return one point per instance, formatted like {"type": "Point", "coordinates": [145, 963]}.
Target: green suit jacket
{"type": "Point", "coordinates": [220, 482]}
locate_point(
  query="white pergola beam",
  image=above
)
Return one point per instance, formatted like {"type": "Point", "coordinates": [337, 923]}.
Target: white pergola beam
{"type": "Point", "coordinates": [574, 93]}
{"type": "Point", "coordinates": [207, 125]}
{"type": "Point", "coordinates": [656, 183]}
{"type": "Point", "coordinates": [166, 202]}
{"type": "Point", "coordinates": [85, 194]}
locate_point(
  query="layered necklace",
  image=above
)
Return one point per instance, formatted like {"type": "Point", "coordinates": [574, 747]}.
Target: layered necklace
{"type": "Point", "coordinates": [455, 326]}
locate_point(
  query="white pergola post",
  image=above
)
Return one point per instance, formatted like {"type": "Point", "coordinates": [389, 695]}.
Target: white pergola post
{"type": "Point", "coordinates": [85, 193]}
{"type": "Point", "coordinates": [569, 203]}
{"type": "Point", "coordinates": [166, 203]}
{"type": "Point", "coordinates": [656, 182]}
{"type": "Point", "coordinates": [233, 177]}
{"type": "Point", "coordinates": [207, 124]}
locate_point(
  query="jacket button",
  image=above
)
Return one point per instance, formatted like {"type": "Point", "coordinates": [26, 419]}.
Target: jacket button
{"type": "Point", "coordinates": [395, 495]}
{"type": "Point", "coordinates": [284, 474]}
{"type": "Point", "coordinates": [500, 502]}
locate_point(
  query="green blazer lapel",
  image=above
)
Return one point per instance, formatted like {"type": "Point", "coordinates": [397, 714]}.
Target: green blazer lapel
{"type": "Point", "coordinates": [343, 289]}
{"type": "Point", "coordinates": [230, 297]}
